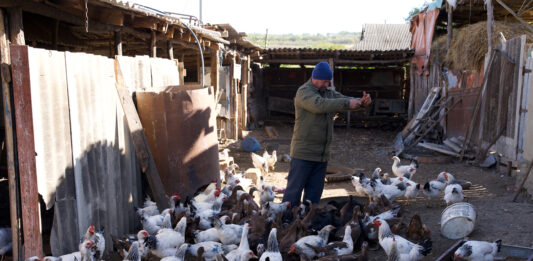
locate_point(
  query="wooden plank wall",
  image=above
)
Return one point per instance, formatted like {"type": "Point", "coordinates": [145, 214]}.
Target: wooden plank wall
{"type": "Point", "coordinates": [422, 85]}
{"type": "Point", "coordinates": [499, 107]}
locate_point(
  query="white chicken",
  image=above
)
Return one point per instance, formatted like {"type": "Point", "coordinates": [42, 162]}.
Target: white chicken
{"type": "Point", "coordinates": [302, 248]}
{"type": "Point", "coordinates": [434, 188]}
{"type": "Point", "coordinates": [272, 209]}
{"type": "Point", "coordinates": [391, 192]}
{"type": "Point", "coordinates": [224, 154]}
{"type": "Point", "coordinates": [179, 255]}
{"type": "Point", "coordinates": [74, 256]}
{"type": "Point", "coordinates": [228, 233]}
{"type": "Point", "coordinates": [211, 249]}
{"type": "Point", "coordinates": [149, 208]}
{"type": "Point", "coordinates": [272, 251]}
{"type": "Point", "coordinates": [5, 241]}
{"type": "Point", "coordinates": [98, 239]}
{"type": "Point", "coordinates": [478, 250]}
{"type": "Point", "coordinates": [87, 251]}
{"type": "Point", "coordinates": [404, 248]}
{"type": "Point", "coordinates": [453, 193]}
{"type": "Point", "coordinates": [168, 240]}
{"type": "Point", "coordinates": [133, 253]}
{"type": "Point", "coordinates": [143, 249]}
{"type": "Point", "coordinates": [271, 159]}
{"type": "Point", "coordinates": [209, 194]}
{"type": "Point", "coordinates": [337, 248]}
{"type": "Point", "coordinates": [243, 252]}
{"type": "Point", "coordinates": [210, 234]}
{"type": "Point", "coordinates": [404, 170]}
{"type": "Point", "coordinates": [152, 224]}
{"type": "Point", "coordinates": [387, 215]}
{"type": "Point", "coordinates": [266, 194]}
{"type": "Point", "coordinates": [260, 163]}
{"type": "Point", "coordinates": [411, 191]}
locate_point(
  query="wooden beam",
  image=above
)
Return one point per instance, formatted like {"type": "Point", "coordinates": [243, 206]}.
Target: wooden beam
{"type": "Point", "coordinates": [16, 26]}
{"type": "Point", "coordinates": [153, 46]}
{"type": "Point", "coordinates": [490, 23]}
{"type": "Point", "coordinates": [170, 50]}
{"type": "Point", "coordinates": [118, 43]}
{"type": "Point", "coordinates": [450, 26]}
{"type": "Point", "coordinates": [14, 193]}
{"type": "Point", "coordinates": [31, 220]}
{"type": "Point", "coordinates": [56, 35]}
{"type": "Point", "coordinates": [514, 14]}
{"type": "Point", "coordinates": [215, 63]}
{"type": "Point", "coordinates": [338, 62]}
{"type": "Point", "coordinates": [142, 150]}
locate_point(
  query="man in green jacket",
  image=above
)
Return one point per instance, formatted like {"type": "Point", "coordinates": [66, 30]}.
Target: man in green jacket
{"type": "Point", "coordinates": [315, 105]}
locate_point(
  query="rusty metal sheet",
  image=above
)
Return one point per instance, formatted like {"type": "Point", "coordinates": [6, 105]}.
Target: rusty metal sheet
{"type": "Point", "coordinates": [459, 117]}
{"type": "Point", "coordinates": [422, 29]}
{"type": "Point", "coordinates": [187, 121]}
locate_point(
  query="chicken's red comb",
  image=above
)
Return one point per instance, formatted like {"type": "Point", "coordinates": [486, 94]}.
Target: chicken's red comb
{"type": "Point", "coordinates": [176, 194]}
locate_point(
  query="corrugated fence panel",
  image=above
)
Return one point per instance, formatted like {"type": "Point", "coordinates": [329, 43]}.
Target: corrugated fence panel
{"type": "Point", "coordinates": [164, 72]}
{"type": "Point", "coordinates": [103, 167]}
{"type": "Point", "coordinates": [136, 72]}
{"type": "Point", "coordinates": [55, 174]}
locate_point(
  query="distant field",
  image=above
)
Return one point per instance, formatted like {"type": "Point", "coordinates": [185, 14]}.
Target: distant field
{"type": "Point", "coordinates": [342, 40]}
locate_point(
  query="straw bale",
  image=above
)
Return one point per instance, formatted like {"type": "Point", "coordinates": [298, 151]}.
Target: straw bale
{"type": "Point", "coordinates": [469, 44]}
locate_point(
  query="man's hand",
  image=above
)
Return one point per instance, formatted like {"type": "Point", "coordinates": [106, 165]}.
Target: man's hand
{"type": "Point", "coordinates": [366, 100]}
{"type": "Point", "coordinates": [355, 103]}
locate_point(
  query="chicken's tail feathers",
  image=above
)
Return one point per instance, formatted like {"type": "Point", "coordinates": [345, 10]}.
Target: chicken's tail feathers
{"type": "Point", "coordinates": [498, 244]}
{"type": "Point", "coordinates": [427, 245]}
{"type": "Point", "coordinates": [414, 163]}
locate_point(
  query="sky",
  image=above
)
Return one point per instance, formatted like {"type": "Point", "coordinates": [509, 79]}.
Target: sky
{"type": "Point", "coordinates": [292, 16]}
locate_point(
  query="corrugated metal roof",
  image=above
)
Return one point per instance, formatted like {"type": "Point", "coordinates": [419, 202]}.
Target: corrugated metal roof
{"type": "Point", "coordinates": [384, 37]}
{"type": "Point", "coordinates": [340, 55]}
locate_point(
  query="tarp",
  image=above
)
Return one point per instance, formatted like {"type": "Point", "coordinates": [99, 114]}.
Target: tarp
{"type": "Point", "coordinates": [422, 29]}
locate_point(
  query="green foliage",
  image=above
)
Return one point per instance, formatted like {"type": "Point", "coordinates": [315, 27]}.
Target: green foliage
{"type": "Point", "coordinates": [341, 40]}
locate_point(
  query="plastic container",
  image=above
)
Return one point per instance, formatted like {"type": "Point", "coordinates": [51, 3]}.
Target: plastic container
{"type": "Point", "coordinates": [250, 144]}
{"type": "Point", "coordinates": [458, 220]}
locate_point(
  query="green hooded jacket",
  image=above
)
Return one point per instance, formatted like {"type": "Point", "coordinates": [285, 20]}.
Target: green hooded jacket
{"type": "Point", "coordinates": [313, 127]}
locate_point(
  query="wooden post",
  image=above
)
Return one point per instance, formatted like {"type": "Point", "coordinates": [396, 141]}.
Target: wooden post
{"type": "Point", "coordinates": [140, 143]}
{"type": "Point", "coordinates": [118, 43]}
{"type": "Point", "coordinates": [14, 193]}
{"type": "Point", "coordinates": [215, 63]}
{"type": "Point", "coordinates": [170, 50]}
{"type": "Point", "coordinates": [332, 65]}
{"type": "Point", "coordinates": [15, 25]}
{"type": "Point", "coordinates": [153, 47]}
{"type": "Point", "coordinates": [31, 220]}
{"type": "Point", "coordinates": [490, 22]}
{"type": "Point", "coordinates": [56, 35]}
{"type": "Point", "coordinates": [450, 27]}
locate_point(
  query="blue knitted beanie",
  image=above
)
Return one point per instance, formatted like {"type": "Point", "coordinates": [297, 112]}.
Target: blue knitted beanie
{"type": "Point", "coordinates": [322, 71]}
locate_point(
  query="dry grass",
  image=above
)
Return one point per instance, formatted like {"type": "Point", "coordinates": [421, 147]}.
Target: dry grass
{"type": "Point", "coordinates": [469, 44]}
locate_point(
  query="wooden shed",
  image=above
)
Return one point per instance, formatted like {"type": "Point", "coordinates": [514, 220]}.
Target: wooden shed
{"type": "Point", "coordinates": [75, 152]}
{"type": "Point", "coordinates": [376, 65]}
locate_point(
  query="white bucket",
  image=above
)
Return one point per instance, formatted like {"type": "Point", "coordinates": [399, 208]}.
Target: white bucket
{"type": "Point", "coordinates": [458, 220]}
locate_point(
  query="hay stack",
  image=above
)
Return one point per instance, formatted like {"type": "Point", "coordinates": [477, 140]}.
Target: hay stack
{"type": "Point", "coordinates": [469, 44]}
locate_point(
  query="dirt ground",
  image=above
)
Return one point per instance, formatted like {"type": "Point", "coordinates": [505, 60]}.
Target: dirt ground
{"type": "Point", "coordinates": [365, 149]}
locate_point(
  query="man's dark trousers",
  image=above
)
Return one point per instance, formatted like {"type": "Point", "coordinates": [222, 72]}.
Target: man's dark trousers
{"type": "Point", "coordinates": [308, 175]}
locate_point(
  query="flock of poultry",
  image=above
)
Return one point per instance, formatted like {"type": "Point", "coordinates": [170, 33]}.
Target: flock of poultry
{"type": "Point", "coordinates": [227, 223]}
